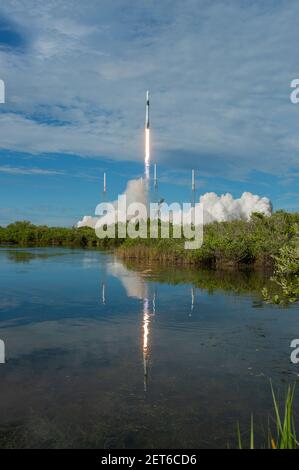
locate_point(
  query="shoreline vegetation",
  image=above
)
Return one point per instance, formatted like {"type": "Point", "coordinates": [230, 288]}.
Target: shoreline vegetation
{"type": "Point", "coordinates": [226, 244]}
{"type": "Point", "coordinates": [235, 243]}
{"type": "Point", "coordinates": [284, 436]}
{"type": "Point", "coordinates": [260, 243]}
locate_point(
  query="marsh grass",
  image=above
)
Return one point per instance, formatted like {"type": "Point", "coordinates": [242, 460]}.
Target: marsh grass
{"type": "Point", "coordinates": [284, 436]}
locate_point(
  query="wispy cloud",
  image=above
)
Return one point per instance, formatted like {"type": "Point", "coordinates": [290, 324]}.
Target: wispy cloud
{"type": "Point", "coordinates": [11, 170]}
{"type": "Point", "coordinates": [219, 73]}
{"type": "Point", "coordinates": [28, 171]}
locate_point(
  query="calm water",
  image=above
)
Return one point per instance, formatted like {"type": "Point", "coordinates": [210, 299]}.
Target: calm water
{"type": "Point", "coordinates": [101, 354]}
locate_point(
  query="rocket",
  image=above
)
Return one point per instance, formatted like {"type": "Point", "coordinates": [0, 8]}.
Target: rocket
{"type": "Point", "coordinates": [147, 123]}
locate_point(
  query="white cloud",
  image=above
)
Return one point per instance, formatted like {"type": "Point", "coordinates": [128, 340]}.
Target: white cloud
{"type": "Point", "coordinates": [27, 171]}
{"type": "Point", "coordinates": [219, 73]}
{"type": "Point", "coordinates": [13, 170]}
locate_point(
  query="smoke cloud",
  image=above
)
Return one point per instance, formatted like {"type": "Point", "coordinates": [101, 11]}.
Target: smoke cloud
{"type": "Point", "coordinates": [215, 208]}
{"type": "Point", "coordinates": [135, 192]}
{"type": "Point", "coordinates": [225, 208]}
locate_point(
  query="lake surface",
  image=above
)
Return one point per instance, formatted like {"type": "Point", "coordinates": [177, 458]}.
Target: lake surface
{"type": "Point", "coordinates": [105, 355]}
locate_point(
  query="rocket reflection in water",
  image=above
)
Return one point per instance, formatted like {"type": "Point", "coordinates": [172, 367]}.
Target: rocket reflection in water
{"type": "Point", "coordinates": [137, 288]}
{"type": "Point", "coordinates": [192, 300]}
{"type": "Point", "coordinates": [103, 293]}
{"type": "Point", "coordinates": [145, 345]}
{"type": "Point", "coordinates": [146, 325]}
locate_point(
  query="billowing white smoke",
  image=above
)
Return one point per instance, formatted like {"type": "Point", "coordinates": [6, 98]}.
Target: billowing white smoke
{"type": "Point", "coordinates": [135, 192]}
{"type": "Point", "coordinates": [215, 208]}
{"type": "Point", "coordinates": [224, 208]}
{"type": "Point", "coordinates": [87, 221]}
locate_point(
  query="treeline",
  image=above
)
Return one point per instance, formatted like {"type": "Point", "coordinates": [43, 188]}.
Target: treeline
{"type": "Point", "coordinates": [285, 281]}
{"type": "Point", "coordinates": [225, 243]}
{"type": "Point", "coordinates": [24, 233]}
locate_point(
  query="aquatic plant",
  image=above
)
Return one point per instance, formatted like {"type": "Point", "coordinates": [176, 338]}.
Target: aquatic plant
{"type": "Point", "coordinates": [284, 436]}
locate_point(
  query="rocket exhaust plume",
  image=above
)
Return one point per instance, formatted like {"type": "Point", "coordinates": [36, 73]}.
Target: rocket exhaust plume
{"type": "Point", "coordinates": [147, 139]}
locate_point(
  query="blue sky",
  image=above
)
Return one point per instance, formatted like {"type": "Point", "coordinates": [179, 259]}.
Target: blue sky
{"type": "Point", "coordinates": [219, 73]}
